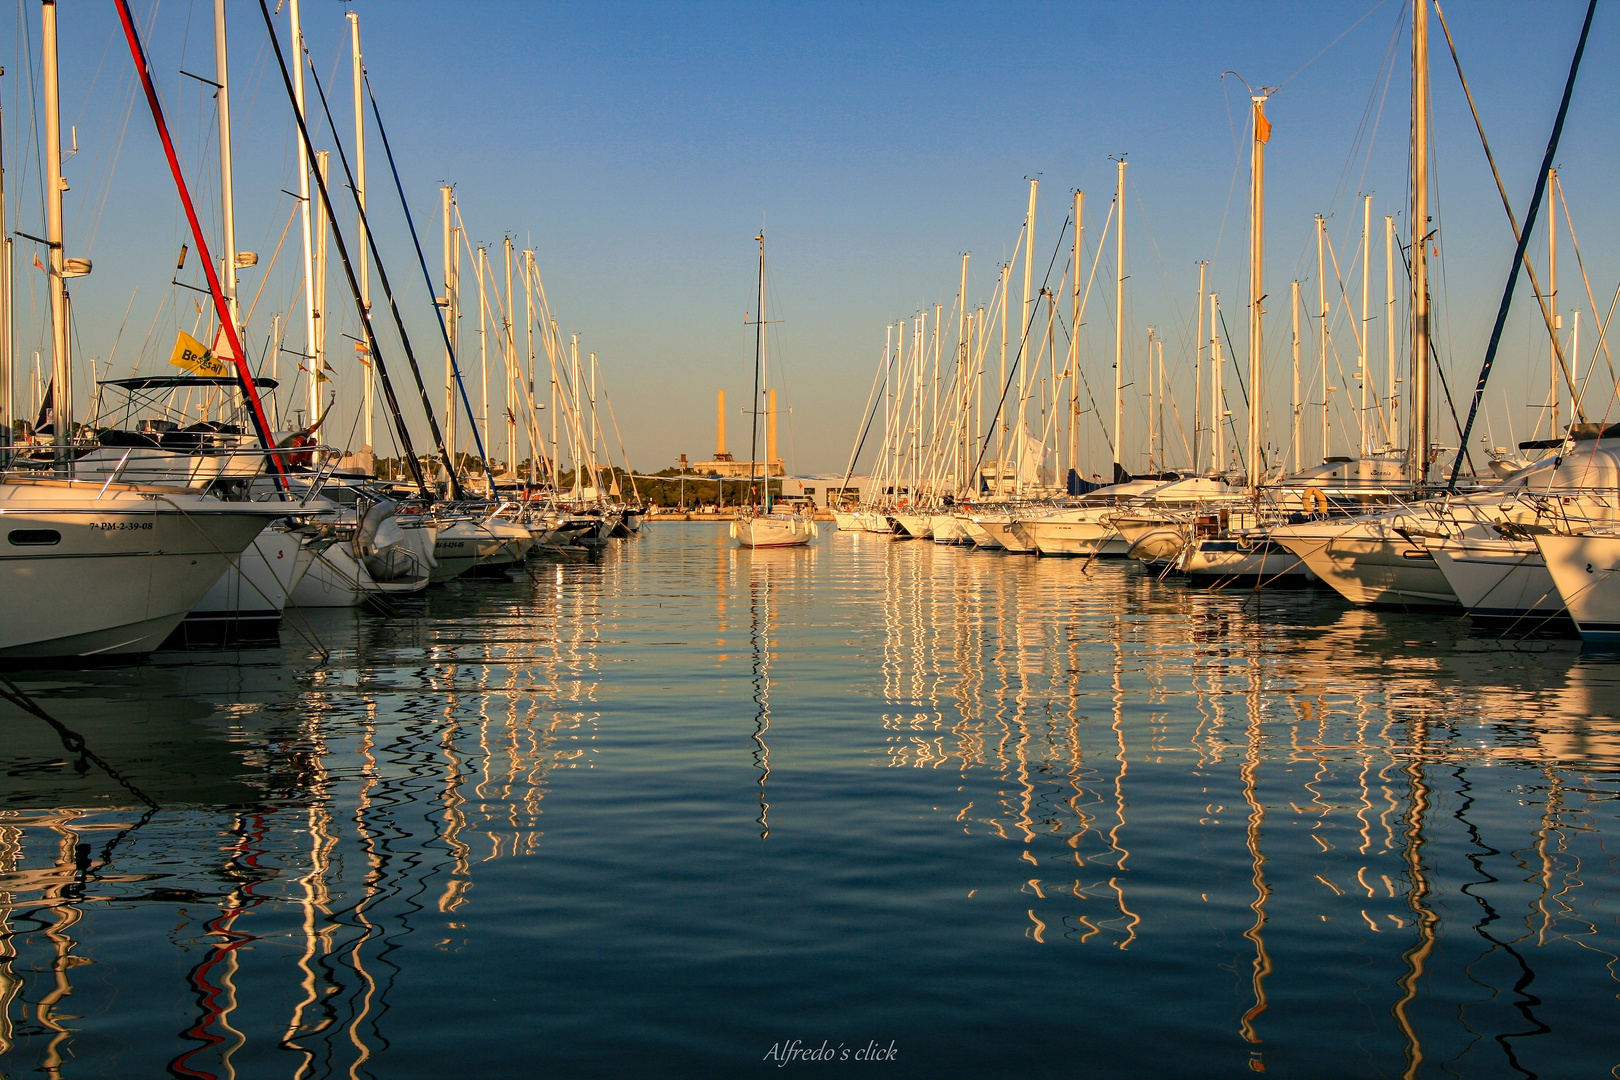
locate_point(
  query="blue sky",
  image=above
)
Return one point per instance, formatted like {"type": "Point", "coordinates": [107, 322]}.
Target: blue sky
{"type": "Point", "coordinates": [637, 148]}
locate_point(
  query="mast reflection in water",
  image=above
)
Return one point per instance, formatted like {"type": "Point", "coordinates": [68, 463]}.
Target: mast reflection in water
{"type": "Point", "coordinates": [1009, 806]}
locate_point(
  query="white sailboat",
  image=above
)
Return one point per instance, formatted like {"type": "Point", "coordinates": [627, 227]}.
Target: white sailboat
{"type": "Point", "coordinates": [758, 525]}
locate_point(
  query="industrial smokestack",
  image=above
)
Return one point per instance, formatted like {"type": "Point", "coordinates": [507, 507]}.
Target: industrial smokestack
{"type": "Point", "coordinates": [720, 440]}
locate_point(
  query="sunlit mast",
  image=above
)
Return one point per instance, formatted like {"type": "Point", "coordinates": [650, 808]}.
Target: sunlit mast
{"type": "Point", "coordinates": [1421, 434]}
{"type": "Point", "coordinates": [306, 231]}
{"type": "Point", "coordinates": [1119, 322]}
{"type": "Point", "coordinates": [369, 385]}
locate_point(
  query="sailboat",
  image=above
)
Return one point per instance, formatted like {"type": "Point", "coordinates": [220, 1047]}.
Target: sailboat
{"type": "Point", "coordinates": [758, 524]}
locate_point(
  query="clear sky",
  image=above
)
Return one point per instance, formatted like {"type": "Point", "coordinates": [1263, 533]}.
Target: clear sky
{"type": "Point", "coordinates": [637, 148]}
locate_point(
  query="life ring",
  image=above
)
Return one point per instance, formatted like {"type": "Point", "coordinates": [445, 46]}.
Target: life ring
{"type": "Point", "coordinates": [1315, 501]}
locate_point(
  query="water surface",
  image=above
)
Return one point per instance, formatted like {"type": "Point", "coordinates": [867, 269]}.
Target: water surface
{"type": "Point", "coordinates": [686, 808]}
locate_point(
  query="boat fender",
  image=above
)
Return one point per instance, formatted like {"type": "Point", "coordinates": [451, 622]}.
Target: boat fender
{"type": "Point", "coordinates": [1315, 501]}
{"type": "Point", "coordinates": [734, 530]}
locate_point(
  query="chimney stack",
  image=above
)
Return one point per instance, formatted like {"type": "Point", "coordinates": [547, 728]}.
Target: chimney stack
{"type": "Point", "coordinates": [720, 442]}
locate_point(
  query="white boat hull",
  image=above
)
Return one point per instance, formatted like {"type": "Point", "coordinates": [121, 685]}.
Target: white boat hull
{"type": "Point", "coordinates": [1586, 569]}
{"type": "Point", "coordinates": [1499, 579]}
{"type": "Point", "coordinates": [87, 576]}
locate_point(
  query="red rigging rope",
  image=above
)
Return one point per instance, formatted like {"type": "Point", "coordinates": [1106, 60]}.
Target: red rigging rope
{"type": "Point", "coordinates": [261, 425]}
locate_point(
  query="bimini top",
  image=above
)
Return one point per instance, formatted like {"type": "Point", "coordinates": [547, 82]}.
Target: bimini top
{"type": "Point", "coordinates": [165, 382]}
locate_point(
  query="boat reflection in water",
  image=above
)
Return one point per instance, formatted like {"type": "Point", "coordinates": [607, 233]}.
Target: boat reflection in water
{"type": "Point", "coordinates": [1412, 808]}
{"type": "Point", "coordinates": [668, 804]}
{"type": "Point", "coordinates": [263, 841]}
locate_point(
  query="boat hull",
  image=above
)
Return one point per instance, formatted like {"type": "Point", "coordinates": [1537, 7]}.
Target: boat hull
{"type": "Point", "coordinates": [1586, 569]}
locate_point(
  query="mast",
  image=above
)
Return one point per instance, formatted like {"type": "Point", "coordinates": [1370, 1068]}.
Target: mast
{"type": "Point", "coordinates": [452, 321]}
{"type": "Point", "coordinates": [1364, 349]}
{"type": "Point", "coordinates": [1421, 434]}
{"type": "Point", "coordinates": [61, 397]}
{"type": "Point", "coordinates": [509, 351]}
{"type": "Point", "coordinates": [888, 396]}
{"type": "Point", "coordinates": [933, 417]}
{"type": "Point", "coordinates": [576, 428]}
{"type": "Point", "coordinates": [596, 434]}
{"type": "Point", "coordinates": [1001, 387]}
{"type": "Point", "coordinates": [480, 270]}
{"type": "Point", "coordinates": [1322, 340]}
{"type": "Point", "coordinates": [1025, 318]}
{"type": "Point", "coordinates": [317, 362]}
{"type": "Point", "coordinates": [8, 340]}
{"type": "Point", "coordinates": [1552, 302]}
{"type": "Point", "coordinates": [369, 385]}
{"type": "Point", "coordinates": [531, 430]}
{"type": "Point", "coordinates": [759, 378]}
{"type": "Point", "coordinates": [1119, 321]}
{"type": "Point", "coordinates": [1257, 241]}
{"type": "Point", "coordinates": [959, 464]}
{"type": "Point", "coordinates": [1389, 325]}
{"type": "Point", "coordinates": [222, 100]}
{"type": "Point", "coordinates": [1217, 435]}
{"type": "Point", "coordinates": [1153, 407]}
{"type": "Point", "coordinates": [1299, 448]}
{"type": "Point", "coordinates": [1074, 342]}
{"type": "Point", "coordinates": [1198, 366]}
{"type": "Point", "coordinates": [307, 234]}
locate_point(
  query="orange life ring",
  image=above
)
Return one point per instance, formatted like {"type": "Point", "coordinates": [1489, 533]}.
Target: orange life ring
{"type": "Point", "coordinates": [1315, 501]}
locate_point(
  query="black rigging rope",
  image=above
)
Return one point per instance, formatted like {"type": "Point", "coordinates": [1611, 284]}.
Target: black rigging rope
{"type": "Point", "coordinates": [348, 269]}
{"type": "Point", "coordinates": [1524, 242]}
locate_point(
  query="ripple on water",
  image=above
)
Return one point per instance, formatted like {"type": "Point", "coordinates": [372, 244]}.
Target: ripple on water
{"type": "Point", "coordinates": [662, 811]}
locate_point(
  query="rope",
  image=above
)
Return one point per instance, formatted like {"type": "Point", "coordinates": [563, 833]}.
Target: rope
{"type": "Point", "coordinates": [72, 741]}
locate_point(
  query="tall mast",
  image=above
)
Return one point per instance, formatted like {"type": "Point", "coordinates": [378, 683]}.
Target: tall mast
{"type": "Point", "coordinates": [369, 386]}
{"type": "Point", "coordinates": [933, 417]}
{"type": "Point", "coordinates": [1299, 447]}
{"type": "Point", "coordinates": [1364, 348]}
{"type": "Point", "coordinates": [1074, 341]}
{"type": "Point", "coordinates": [759, 379]}
{"type": "Point", "coordinates": [531, 429]}
{"type": "Point", "coordinates": [1257, 294]}
{"type": "Point", "coordinates": [1153, 407]}
{"type": "Point", "coordinates": [61, 395]}
{"type": "Point", "coordinates": [513, 372]}
{"type": "Point", "coordinates": [1552, 301]}
{"type": "Point", "coordinates": [1390, 425]}
{"type": "Point", "coordinates": [918, 359]}
{"type": "Point", "coordinates": [1119, 320]}
{"type": "Point", "coordinates": [480, 264]}
{"type": "Point", "coordinates": [556, 445]}
{"type": "Point", "coordinates": [1001, 386]}
{"type": "Point", "coordinates": [1217, 435]}
{"type": "Point", "coordinates": [888, 396]}
{"type": "Point", "coordinates": [8, 340]}
{"type": "Point", "coordinates": [307, 233]}
{"type": "Point", "coordinates": [1322, 339]}
{"type": "Point", "coordinates": [1421, 435]}
{"type": "Point", "coordinates": [222, 102]}
{"type": "Point", "coordinates": [452, 321]}
{"type": "Point", "coordinates": [1198, 367]}
{"type": "Point", "coordinates": [576, 427]}
{"type": "Point", "coordinates": [1025, 318]}
{"type": "Point", "coordinates": [965, 428]}
{"type": "Point", "coordinates": [596, 434]}
{"type": "Point", "coordinates": [317, 361]}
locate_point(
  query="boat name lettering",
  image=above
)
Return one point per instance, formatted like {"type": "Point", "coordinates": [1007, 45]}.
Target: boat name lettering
{"type": "Point", "coordinates": [120, 526]}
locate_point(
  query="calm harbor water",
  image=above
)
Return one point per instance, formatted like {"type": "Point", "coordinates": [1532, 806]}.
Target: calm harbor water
{"type": "Point", "coordinates": [686, 809]}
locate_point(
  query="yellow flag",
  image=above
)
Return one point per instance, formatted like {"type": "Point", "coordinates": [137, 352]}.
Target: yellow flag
{"type": "Point", "coordinates": [193, 356]}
